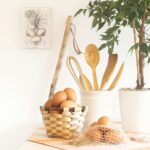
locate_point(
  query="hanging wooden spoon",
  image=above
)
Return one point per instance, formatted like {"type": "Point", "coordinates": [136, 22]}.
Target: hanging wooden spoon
{"type": "Point", "coordinates": [115, 81]}
{"type": "Point", "coordinates": [92, 57]}
{"type": "Point", "coordinates": [112, 61]}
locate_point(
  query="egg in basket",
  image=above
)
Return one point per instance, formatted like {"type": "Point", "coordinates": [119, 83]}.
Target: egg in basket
{"type": "Point", "coordinates": [62, 116]}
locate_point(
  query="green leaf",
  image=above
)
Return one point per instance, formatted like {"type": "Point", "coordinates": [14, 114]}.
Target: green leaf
{"type": "Point", "coordinates": [100, 25]}
{"type": "Point", "coordinates": [90, 4]}
{"type": "Point", "coordinates": [119, 16]}
{"type": "Point", "coordinates": [131, 17]}
{"type": "Point", "coordinates": [136, 12]}
{"type": "Point", "coordinates": [112, 30]}
{"type": "Point", "coordinates": [110, 50]}
{"type": "Point", "coordinates": [119, 31]}
{"type": "Point", "coordinates": [110, 45]}
{"type": "Point", "coordinates": [95, 3]}
{"type": "Point", "coordinates": [102, 46]}
{"type": "Point", "coordinates": [144, 49]}
{"type": "Point", "coordinates": [137, 24]}
{"type": "Point", "coordinates": [148, 21]}
{"type": "Point", "coordinates": [148, 60]}
{"type": "Point", "coordinates": [94, 23]}
{"type": "Point", "coordinates": [134, 47]}
{"type": "Point", "coordinates": [78, 12]}
{"type": "Point", "coordinates": [124, 23]}
{"type": "Point", "coordinates": [84, 11]}
{"type": "Point", "coordinates": [145, 3]}
{"type": "Point", "coordinates": [91, 13]}
{"type": "Point", "coordinates": [106, 37]}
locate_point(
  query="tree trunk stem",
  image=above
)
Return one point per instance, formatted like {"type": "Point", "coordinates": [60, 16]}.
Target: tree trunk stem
{"type": "Point", "coordinates": [137, 56]}
{"type": "Point", "coordinates": [141, 55]}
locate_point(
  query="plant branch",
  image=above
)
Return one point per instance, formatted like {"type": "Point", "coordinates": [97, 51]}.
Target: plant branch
{"type": "Point", "coordinates": [137, 30]}
{"type": "Point", "coordinates": [136, 54]}
{"type": "Point", "coordinates": [141, 56]}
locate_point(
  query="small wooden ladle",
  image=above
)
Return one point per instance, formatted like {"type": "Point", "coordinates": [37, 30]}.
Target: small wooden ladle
{"type": "Point", "coordinates": [92, 58]}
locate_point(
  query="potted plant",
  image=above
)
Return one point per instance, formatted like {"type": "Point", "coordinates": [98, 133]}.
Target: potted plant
{"type": "Point", "coordinates": [114, 16]}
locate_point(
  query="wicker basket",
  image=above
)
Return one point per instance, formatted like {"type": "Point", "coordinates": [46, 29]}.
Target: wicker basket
{"type": "Point", "coordinates": [65, 123]}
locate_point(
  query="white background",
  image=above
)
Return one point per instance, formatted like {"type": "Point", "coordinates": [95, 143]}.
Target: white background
{"type": "Point", "coordinates": [25, 75]}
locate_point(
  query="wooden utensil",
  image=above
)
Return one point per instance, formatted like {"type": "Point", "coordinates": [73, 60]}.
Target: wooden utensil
{"type": "Point", "coordinates": [82, 85]}
{"type": "Point", "coordinates": [72, 71]}
{"type": "Point", "coordinates": [88, 84]}
{"type": "Point", "coordinates": [61, 55]}
{"type": "Point", "coordinates": [112, 61]}
{"type": "Point", "coordinates": [115, 81]}
{"type": "Point", "coordinates": [92, 57]}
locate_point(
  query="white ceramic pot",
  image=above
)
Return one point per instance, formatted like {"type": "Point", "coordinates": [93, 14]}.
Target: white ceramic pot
{"type": "Point", "coordinates": [100, 103]}
{"type": "Point", "coordinates": [135, 110]}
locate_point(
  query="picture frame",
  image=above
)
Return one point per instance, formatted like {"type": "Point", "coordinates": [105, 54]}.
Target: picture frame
{"type": "Point", "coordinates": [36, 27]}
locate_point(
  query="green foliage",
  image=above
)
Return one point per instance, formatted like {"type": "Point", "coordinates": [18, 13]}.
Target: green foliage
{"type": "Point", "coordinates": [117, 14]}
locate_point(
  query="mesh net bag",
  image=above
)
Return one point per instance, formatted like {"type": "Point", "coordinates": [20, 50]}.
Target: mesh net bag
{"type": "Point", "coordinates": [105, 134]}
{"type": "Point", "coordinates": [101, 134]}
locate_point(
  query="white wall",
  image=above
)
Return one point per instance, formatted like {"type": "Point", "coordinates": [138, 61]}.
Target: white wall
{"type": "Point", "coordinates": [25, 75]}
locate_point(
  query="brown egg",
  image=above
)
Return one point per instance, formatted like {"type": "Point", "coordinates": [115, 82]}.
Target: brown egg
{"type": "Point", "coordinates": [48, 103]}
{"type": "Point", "coordinates": [68, 103]}
{"type": "Point", "coordinates": [58, 98]}
{"type": "Point", "coordinates": [71, 94]}
{"type": "Point", "coordinates": [104, 120]}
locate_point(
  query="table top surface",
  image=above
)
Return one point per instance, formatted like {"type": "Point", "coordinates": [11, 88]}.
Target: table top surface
{"type": "Point", "coordinates": [40, 141]}
{"type": "Point", "coordinates": [35, 146]}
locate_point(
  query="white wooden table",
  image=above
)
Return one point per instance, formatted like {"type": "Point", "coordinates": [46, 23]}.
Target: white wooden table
{"type": "Point", "coordinates": [34, 146]}
{"type": "Point", "coordinates": [39, 141]}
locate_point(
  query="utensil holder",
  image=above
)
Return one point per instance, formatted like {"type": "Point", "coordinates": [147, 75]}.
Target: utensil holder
{"type": "Point", "coordinates": [100, 103]}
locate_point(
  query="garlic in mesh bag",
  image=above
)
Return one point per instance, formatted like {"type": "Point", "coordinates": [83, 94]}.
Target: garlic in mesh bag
{"type": "Point", "coordinates": [102, 132]}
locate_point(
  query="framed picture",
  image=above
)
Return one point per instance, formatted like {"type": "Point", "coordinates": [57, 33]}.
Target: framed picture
{"type": "Point", "coordinates": [36, 28]}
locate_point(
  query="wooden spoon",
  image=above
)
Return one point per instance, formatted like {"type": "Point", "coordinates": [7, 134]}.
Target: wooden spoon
{"type": "Point", "coordinates": [115, 81]}
{"type": "Point", "coordinates": [112, 61]}
{"type": "Point", "coordinates": [92, 57]}
{"type": "Point", "coordinates": [87, 82]}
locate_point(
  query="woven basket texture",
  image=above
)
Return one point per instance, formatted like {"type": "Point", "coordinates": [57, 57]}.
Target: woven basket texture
{"type": "Point", "coordinates": [65, 123]}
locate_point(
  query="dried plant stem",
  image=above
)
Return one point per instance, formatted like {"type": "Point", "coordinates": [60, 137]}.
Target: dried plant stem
{"type": "Point", "coordinates": [137, 56]}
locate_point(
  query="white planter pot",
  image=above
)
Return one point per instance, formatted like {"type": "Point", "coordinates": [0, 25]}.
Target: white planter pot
{"type": "Point", "coordinates": [135, 110]}
{"type": "Point", "coordinates": [100, 103]}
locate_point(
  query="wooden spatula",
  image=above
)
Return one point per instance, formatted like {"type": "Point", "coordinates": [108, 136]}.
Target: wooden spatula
{"type": "Point", "coordinates": [115, 81]}
{"type": "Point", "coordinates": [112, 61]}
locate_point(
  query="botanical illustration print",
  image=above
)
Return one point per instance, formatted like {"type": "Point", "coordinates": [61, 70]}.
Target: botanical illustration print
{"type": "Point", "coordinates": [36, 26]}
